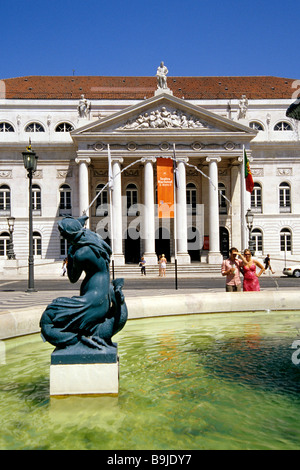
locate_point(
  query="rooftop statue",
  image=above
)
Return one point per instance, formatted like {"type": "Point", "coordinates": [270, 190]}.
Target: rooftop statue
{"type": "Point", "coordinates": [91, 319]}
{"type": "Point", "coordinates": [161, 76]}
{"type": "Point", "coordinates": [83, 107]}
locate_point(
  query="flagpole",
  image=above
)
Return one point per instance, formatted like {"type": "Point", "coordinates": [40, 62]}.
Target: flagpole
{"type": "Point", "coordinates": [175, 218]}
{"type": "Point", "coordinates": [243, 214]}
{"type": "Point", "coordinates": [110, 191]}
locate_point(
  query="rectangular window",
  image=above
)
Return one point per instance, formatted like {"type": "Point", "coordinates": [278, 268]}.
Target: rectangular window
{"type": "Point", "coordinates": [4, 201]}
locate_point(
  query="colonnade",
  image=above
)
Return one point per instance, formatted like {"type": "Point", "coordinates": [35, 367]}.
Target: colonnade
{"type": "Point", "coordinates": [214, 255]}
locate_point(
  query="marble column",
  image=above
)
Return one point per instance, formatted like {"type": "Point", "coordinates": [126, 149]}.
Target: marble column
{"type": "Point", "coordinates": [214, 255]}
{"type": "Point", "coordinates": [116, 212]}
{"type": "Point", "coordinates": [84, 201]}
{"type": "Point", "coordinates": [181, 214]}
{"type": "Point", "coordinates": [148, 232]}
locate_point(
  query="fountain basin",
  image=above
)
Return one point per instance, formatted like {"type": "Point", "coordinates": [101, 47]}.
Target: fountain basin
{"type": "Point", "coordinates": [223, 381]}
{"type": "Point", "coordinates": [26, 321]}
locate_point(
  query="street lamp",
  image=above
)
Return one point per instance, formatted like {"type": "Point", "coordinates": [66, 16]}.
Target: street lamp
{"type": "Point", "coordinates": [30, 162]}
{"type": "Point", "coordinates": [10, 251]}
{"type": "Point", "coordinates": [249, 220]}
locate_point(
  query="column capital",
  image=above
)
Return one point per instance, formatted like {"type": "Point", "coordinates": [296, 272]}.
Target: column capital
{"type": "Point", "coordinates": [117, 159]}
{"type": "Point", "coordinates": [149, 159]}
{"type": "Point", "coordinates": [182, 159]}
{"type": "Point", "coordinates": [213, 159]}
{"type": "Point", "coordinates": [82, 159]}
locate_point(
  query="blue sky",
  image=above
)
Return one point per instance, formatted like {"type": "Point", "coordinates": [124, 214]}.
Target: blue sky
{"type": "Point", "coordinates": [131, 38]}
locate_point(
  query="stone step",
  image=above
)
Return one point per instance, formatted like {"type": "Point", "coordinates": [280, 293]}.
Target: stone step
{"type": "Point", "coordinates": [182, 269]}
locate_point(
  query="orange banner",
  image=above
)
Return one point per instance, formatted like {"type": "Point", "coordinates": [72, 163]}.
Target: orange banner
{"type": "Point", "coordinates": [165, 190]}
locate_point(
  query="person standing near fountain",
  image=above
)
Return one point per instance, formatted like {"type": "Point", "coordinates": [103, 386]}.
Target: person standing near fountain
{"type": "Point", "coordinates": [250, 282]}
{"type": "Point", "coordinates": [231, 268]}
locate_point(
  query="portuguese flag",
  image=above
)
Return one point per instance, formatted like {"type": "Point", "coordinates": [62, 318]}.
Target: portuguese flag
{"type": "Point", "coordinates": [248, 175]}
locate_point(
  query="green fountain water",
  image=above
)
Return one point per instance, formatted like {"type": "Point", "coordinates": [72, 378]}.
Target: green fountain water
{"type": "Point", "coordinates": [222, 381]}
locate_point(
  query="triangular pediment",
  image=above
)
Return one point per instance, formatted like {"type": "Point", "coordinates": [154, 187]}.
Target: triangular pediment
{"type": "Point", "coordinates": [163, 113]}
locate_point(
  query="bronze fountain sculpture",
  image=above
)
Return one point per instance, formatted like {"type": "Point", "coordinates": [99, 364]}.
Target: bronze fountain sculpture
{"type": "Point", "coordinates": [81, 327]}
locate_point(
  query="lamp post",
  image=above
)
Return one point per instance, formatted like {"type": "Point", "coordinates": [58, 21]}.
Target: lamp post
{"type": "Point", "coordinates": [10, 252]}
{"type": "Point", "coordinates": [30, 163]}
{"type": "Point", "coordinates": [249, 220]}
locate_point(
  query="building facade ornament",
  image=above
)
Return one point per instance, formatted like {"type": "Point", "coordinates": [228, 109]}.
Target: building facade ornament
{"type": "Point", "coordinates": [161, 75]}
{"type": "Point", "coordinates": [64, 174]}
{"type": "Point", "coordinates": [243, 106]}
{"type": "Point", "coordinates": [164, 119]}
{"type": "Point", "coordinates": [6, 174]}
{"type": "Point", "coordinates": [284, 171]}
{"type": "Point", "coordinates": [84, 107]}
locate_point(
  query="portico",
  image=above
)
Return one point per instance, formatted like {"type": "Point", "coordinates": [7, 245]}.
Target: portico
{"type": "Point", "coordinates": [208, 149]}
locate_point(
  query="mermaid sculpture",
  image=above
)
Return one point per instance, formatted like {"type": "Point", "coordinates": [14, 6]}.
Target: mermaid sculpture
{"type": "Point", "coordinates": [88, 321]}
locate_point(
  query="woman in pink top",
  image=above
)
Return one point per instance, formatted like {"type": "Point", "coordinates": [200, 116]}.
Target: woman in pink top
{"type": "Point", "coordinates": [251, 282]}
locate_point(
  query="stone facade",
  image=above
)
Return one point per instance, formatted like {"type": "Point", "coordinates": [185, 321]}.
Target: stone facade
{"type": "Point", "coordinates": [209, 126]}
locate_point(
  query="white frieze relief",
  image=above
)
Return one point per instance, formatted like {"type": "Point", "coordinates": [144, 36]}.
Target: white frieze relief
{"type": "Point", "coordinates": [284, 172]}
{"type": "Point", "coordinates": [163, 146]}
{"type": "Point", "coordinates": [38, 174]}
{"type": "Point", "coordinates": [100, 172]}
{"type": "Point", "coordinates": [257, 171]}
{"type": "Point", "coordinates": [5, 174]}
{"type": "Point", "coordinates": [64, 174]}
{"type": "Point", "coordinates": [164, 119]}
{"type": "Point", "coordinates": [131, 172]}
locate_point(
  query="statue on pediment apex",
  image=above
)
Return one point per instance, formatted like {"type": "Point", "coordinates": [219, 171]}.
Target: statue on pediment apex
{"type": "Point", "coordinates": [161, 75]}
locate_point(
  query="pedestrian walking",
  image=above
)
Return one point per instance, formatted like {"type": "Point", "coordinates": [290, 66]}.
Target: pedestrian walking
{"type": "Point", "coordinates": [64, 266]}
{"type": "Point", "coordinates": [142, 265]}
{"type": "Point", "coordinates": [268, 266]}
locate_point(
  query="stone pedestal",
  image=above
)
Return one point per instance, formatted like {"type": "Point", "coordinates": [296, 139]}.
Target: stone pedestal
{"type": "Point", "coordinates": [161, 91]}
{"type": "Point", "coordinates": [80, 370]}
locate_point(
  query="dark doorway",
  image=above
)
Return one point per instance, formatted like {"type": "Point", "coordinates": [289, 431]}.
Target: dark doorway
{"type": "Point", "coordinates": [132, 249]}
{"type": "Point", "coordinates": [193, 243]}
{"type": "Point", "coordinates": [162, 242]}
{"type": "Point", "coordinates": [224, 242]}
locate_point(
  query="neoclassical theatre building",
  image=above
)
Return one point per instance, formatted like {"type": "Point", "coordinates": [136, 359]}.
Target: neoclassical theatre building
{"type": "Point", "coordinates": [71, 121]}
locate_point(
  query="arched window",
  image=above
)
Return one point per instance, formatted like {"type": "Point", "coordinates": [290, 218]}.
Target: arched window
{"type": "Point", "coordinates": [4, 200]}
{"type": "Point", "coordinates": [34, 127]}
{"type": "Point", "coordinates": [222, 200]}
{"type": "Point", "coordinates": [256, 198]}
{"type": "Point", "coordinates": [283, 126]}
{"type": "Point", "coordinates": [37, 244]}
{"type": "Point", "coordinates": [36, 199]}
{"type": "Point", "coordinates": [6, 127]}
{"type": "Point", "coordinates": [256, 125]}
{"type": "Point", "coordinates": [101, 201]}
{"type": "Point", "coordinates": [285, 240]}
{"type": "Point", "coordinates": [4, 243]}
{"type": "Point", "coordinates": [132, 199]}
{"type": "Point", "coordinates": [257, 240]}
{"type": "Point", "coordinates": [284, 197]}
{"type": "Point", "coordinates": [64, 127]}
{"type": "Point", "coordinates": [191, 198]}
{"type": "Point", "coordinates": [65, 201]}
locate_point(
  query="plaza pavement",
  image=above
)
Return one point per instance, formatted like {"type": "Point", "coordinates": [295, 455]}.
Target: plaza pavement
{"type": "Point", "coordinates": [20, 311]}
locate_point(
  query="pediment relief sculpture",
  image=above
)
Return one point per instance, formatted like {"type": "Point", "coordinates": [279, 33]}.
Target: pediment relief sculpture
{"type": "Point", "coordinates": [164, 119]}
